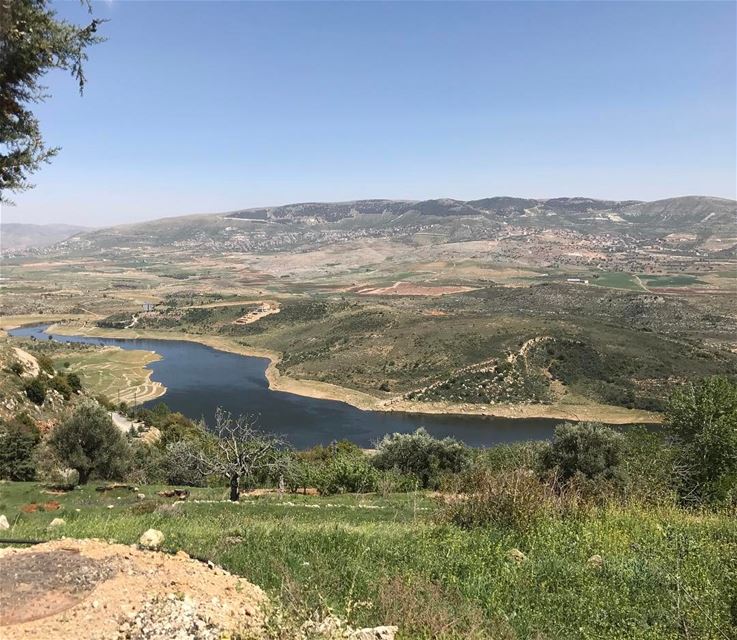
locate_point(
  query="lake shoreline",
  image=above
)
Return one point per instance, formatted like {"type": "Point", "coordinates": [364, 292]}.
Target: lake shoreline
{"type": "Point", "coordinates": [360, 400]}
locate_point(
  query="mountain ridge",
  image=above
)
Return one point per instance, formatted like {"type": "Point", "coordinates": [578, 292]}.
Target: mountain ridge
{"type": "Point", "coordinates": [697, 220]}
{"type": "Point", "coordinates": [19, 235]}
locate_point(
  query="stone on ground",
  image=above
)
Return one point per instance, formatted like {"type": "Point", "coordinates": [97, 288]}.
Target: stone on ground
{"type": "Point", "coordinates": [595, 561]}
{"type": "Point", "coordinates": [151, 539]}
{"type": "Point", "coordinates": [4, 524]}
{"type": "Point", "coordinates": [386, 632]}
{"type": "Point", "coordinates": [516, 556]}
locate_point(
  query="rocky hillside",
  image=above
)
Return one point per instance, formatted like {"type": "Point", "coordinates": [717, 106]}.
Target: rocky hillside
{"type": "Point", "coordinates": [671, 215]}
{"type": "Point", "coordinates": [702, 220]}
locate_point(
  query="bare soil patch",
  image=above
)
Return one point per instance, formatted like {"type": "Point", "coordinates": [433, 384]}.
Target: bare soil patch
{"type": "Point", "coordinates": [263, 310]}
{"type": "Point", "coordinates": [411, 289]}
{"type": "Point", "coordinates": [90, 590]}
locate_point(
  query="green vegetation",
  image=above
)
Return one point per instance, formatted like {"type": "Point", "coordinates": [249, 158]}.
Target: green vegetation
{"type": "Point", "coordinates": [703, 418]}
{"type": "Point", "coordinates": [89, 443]}
{"type": "Point", "coordinates": [590, 535]}
{"type": "Point", "coordinates": [677, 280]}
{"type": "Point", "coordinates": [497, 345]}
{"type": "Point", "coordinates": [422, 456]}
{"type": "Point", "coordinates": [36, 391]}
{"type": "Point", "coordinates": [615, 280]}
{"type": "Point", "coordinates": [590, 450]}
{"type": "Point", "coordinates": [19, 438]}
{"type": "Point", "coordinates": [437, 580]}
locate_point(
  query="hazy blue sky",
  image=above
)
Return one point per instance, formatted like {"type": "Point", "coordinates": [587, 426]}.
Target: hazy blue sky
{"type": "Point", "coordinates": [208, 106]}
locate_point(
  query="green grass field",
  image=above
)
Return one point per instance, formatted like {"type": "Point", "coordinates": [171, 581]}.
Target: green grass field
{"type": "Point", "coordinates": [667, 573]}
{"type": "Point", "coordinates": [616, 280]}
{"type": "Point", "coordinates": [676, 280]}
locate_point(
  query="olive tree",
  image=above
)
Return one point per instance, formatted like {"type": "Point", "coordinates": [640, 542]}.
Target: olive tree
{"type": "Point", "coordinates": [589, 449]}
{"type": "Point", "coordinates": [90, 443]}
{"type": "Point", "coordinates": [422, 455]}
{"type": "Point", "coordinates": [240, 453]}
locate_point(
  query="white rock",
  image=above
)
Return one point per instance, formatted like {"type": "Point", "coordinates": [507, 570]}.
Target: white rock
{"type": "Point", "coordinates": [595, 561]}
{"type": "Point", "coordinates": [151, 539]}
{"type": "Point", "coordinates": [374, 633]}
{"type": "Point", "coordinates": [141, 496]}
{"type": "Point", "coordinates": [4, 524]}
{"type": "Point", "coordinates": [515, 555]}
{"type": "Point", "coordinates": [57, 522]}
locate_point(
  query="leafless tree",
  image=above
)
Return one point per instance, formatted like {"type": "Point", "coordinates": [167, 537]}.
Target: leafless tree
{"type": "Point", "coordinates": [240, 453]}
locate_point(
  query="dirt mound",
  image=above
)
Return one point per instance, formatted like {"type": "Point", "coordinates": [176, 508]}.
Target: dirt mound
{"type": "Point", "coordinates": [92, 590]}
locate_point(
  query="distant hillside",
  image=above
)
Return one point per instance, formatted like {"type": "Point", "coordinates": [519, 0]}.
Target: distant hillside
{"type": "Point", "coordinates": [673, 214]}
{"type": "Point", "coordinates": [703, 219]}
{"type": "Point", "coordinates": [17, 236]}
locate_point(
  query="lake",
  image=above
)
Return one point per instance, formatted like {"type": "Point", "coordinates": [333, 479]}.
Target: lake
{"type": "Point", "coordinates": [198, 379]}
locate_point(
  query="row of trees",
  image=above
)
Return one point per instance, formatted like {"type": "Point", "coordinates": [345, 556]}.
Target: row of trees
{"type": "Point", "coordinates": [694, 459]}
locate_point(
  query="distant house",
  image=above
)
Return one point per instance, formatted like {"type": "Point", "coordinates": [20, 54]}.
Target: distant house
{"type": "Point", "coordinates": [149, 306]}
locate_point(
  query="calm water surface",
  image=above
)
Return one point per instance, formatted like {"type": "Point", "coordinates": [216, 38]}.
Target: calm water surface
{"type": "Point", "coordinates": [198, 379]}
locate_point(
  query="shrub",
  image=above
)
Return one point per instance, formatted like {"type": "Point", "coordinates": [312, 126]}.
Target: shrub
{"type": "Point", "coordinates": [36, 391]}
{"type": "Point", "coordinates": [300, 474]}
{"type": "Point", "coordinates": [176, 465]}
{"type": "Point", "coordinates": [75, 384]}
{"type": "Point", "coordinates": [347, 474]}
{"type": "Point", "coordinates": [502, 457]}
{"type": "Point", "coordinates": [588, 449]}
{"type": "Point", "coordinates": [517, 499]}
{"type": "Point", "coordinates": [17, 367]}
{"type": "Point", "coordinates": [394, 481]}
{"type": "Point", "coordinates": [18, 442]}
{"type": "Point", "coordinates": [59, 383]}
{"type": "Point", "coordinates": [147, 464]}
{"type": "Point", "coordinates": [91, 444]}
{"type": "Point", "coordinates": [422, 455]}
{"type": "Point", "coordinates": [322, 453]}
{"type": "Point", "coordinates": [516, 455]}
{"type": "Point", "coordinates": [104, 401]}
{"type": "Point", "coordinates": [649, 466]}
{"type": "Point", "coordinates": [703, 421]}
{"type": "Point", "coordinates": [45, 363]}
{"type": "Point", "coordinates": [174, 427]}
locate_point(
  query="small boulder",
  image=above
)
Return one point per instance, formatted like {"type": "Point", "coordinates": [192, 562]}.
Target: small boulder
{"type": "Point", "coordinates": [4, 524]}
{"type": "Point", "coordinates": [386, 632]}
{"type": "Point", "coordinates": [516, 556]}
{"type": "Point", "coordinates": [57, 522]}
{"type": "Point", "coordinates": [595, 561]}
{"type": "Point", "coordinates": [151, 539]}
{"type": "Point", "coordinates": [141, 496]}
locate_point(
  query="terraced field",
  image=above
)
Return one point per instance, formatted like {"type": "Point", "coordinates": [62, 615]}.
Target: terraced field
{"type": "Point", "coordinates": [120, 375]}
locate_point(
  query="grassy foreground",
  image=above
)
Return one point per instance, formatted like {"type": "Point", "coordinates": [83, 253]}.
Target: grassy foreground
{"type": "Point", "coordinates": [666, 573]}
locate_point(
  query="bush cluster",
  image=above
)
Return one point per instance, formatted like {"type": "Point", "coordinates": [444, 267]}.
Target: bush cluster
{"type": "Point", "coordinates": [692, 461]}
{"type": "Point", "coordinates": [422, 456]}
